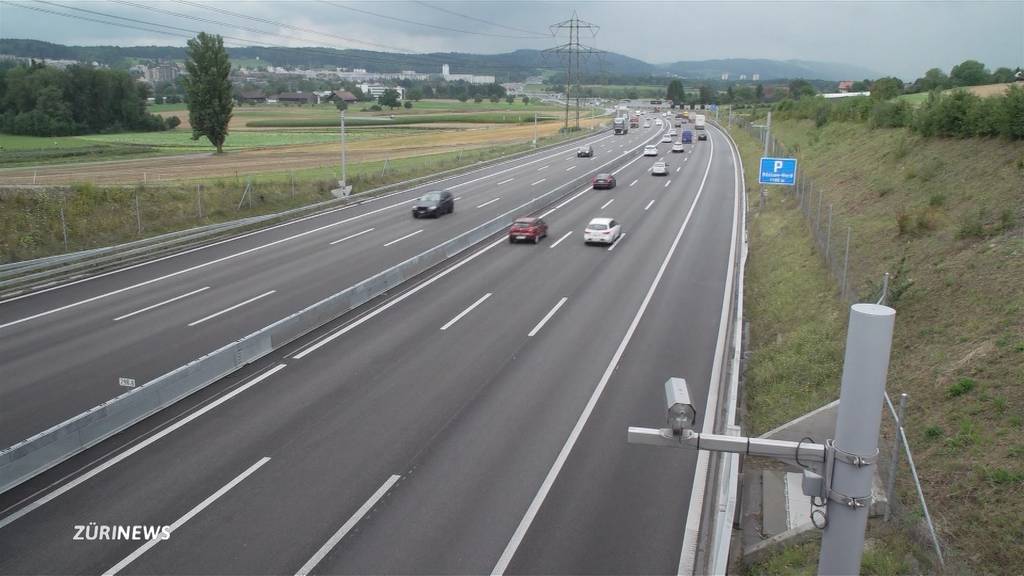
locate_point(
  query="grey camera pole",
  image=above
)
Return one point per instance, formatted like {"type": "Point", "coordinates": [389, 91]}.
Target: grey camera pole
{"type": "Point", "coordinates": [865, 366]}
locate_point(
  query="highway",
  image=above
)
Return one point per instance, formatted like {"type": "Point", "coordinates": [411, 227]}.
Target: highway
{"type": "Point", "coordinates": [63, 349]}
{"type": "Point", "coordinates": [474, 423]}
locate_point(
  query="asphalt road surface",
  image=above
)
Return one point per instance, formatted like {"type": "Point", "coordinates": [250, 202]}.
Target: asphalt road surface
{"type": "Point", "coordinates": [475, 423]}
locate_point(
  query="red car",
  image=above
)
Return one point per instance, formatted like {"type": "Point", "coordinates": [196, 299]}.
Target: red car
{"type": "Point", "coordinates": [532, 229]}
{"type": "Point", "coordinates": [603, 181]}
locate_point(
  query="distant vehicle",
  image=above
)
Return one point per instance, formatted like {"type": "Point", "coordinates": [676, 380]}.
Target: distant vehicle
{"type": "Point", "coordinates": [678, 147]}
{"type": "Point", "coordinates": [585, 151]}
{"type": "Point", "coordinates": [698, 123]}
{"type": "Point", "coordinates": [659, 122]}
{"type": "Point", "coordinates": [687, 137]}
{"type": "Point", "coordinates": [603, 180]}
{"type": "Point", "coordinates": [434, 204]}
{"type": "Point", "coordinates": [666, 138]}
{"type": "Point", "coordinates": [659, 169]}
{"type": "Point", "coordinates": [532, 229]}
{"type": "Point", "coordinates": [647, 124]}
{"type": "Point", "coordinates": [634, 121]}
{"type": "Point", "coordinates": [650, 150]}
{"type": "Point", "coordinates": [686, 114]}
{"type": "Point", "coordinates": [702, 136]}
{"type": "Point", "coordinates": [620, 125]}
{"type": "Point", "coordinates": [602, 231]}
{"type": "Point", "coordinates": [672, 132]}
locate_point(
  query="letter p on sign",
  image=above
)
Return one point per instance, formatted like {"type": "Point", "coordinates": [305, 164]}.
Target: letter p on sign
{"type": "Point", "coordinates": [777, 165]}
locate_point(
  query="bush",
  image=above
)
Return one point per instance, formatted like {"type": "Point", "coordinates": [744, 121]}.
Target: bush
{"type": "Point", "coordinates": [407, 104]}
{"type": "Point", "coordinates": [375, 108]}
{"type": "Point", "coordinates": [963, 386]}
{"type": "Point", "coordinates": [173, 122]}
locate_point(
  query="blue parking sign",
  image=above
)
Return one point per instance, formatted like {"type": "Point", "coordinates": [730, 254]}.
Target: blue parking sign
{"type": "Point", "coordinates": [778, 171]}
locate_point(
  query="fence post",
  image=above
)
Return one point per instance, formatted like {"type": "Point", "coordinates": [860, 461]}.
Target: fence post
{"type": "Point", "coordinates": [828, 237]}
{"type": "Point", "coordinates": [199, 200]}
{"type": "Point", "coordinates": [34, 174]}
{"type": "Point", "coordinates": [846, 263]}
{"type": "Point", "coordinates": [817, 225]}
{"type": "Point", "coordinates": [894, 458]}
{"type": "Point", "coordinates": [385, 168]}
{"type": "Point", "coordinates": [460, 156]}
{"type": "Point", "coordinates": [63, 221]}
{"type": "Point", "coordinates": [291, 182]}
{"type": "Point", "coordinates": [138, 212]}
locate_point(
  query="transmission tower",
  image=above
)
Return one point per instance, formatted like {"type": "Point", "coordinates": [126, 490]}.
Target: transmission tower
{"type": "Point", "coordinates": [572, 52]}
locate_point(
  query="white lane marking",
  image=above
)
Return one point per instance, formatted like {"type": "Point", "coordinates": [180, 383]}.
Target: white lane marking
{"type": "Point", "coordinates": [188, 516]}
{"type": "Point", "coordinates": [563, 455]}
{"type": "Point", "coordinates": [489, 202]}
{"type": "Point", "coordinates": [414, 290]}
{"type": "Point", "coordinates": [547, 317]}
{"type": "Point", "coordinates": [623, 145]}
{"type": "Point", "coordinates": [466, 311]}
{"type": "Point", "coordinates": [200, 266]}
{"type": "Point", "coordinates": [538, 181]}
{"type": "Point", "coordinates": [520, 165]}
{"type": "Point", "coordinates": [570, 167]}
{"type": "Point", "coordinates": [397, 240]}
{"type": "Point", "coordinates": [559, 241]}
{"type": "Point", "coordinates": [347, 526]}
{"type": "Point", "coordinates": [504, 182]}
{"type": "Point", "coordinates": [687, 159]}
{"type": "Point", "coordinates": [226, 310]}
{"type": "Point", "coordinates": [159, 304]}
{"type": "Point", "coordinates": [617, 241]}
{"type": "Point", "coordinates": [140, 446]}
{"type": "Point", "coordinates": [458, 197]}
{"type": "Point", "coordinates": [633, 183]}
{"type": "Point", "coordinates": [688, 552]}
{"type": "Point", "coordinates": [350, 236]}
{"type": "Point", "coordinates": [543, 167]}
{"type": "Point", "coordinates": [605, 205]}
{"type": "Point", "coordinates": [649, 204]}
{"type": "Point", "coordinates": [667, 182]}
{"type": "Point", "coordinates": [677, 168]}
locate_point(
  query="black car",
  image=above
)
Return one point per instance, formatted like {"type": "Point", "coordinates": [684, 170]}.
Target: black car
{"type": "Point", "coordinates": [434, 204]}
{"type": "Point", "coordinates": [702, 136]}
{"type": "Point", "coordinates": [585, 152]}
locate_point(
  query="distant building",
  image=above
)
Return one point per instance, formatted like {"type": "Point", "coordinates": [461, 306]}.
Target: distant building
{"type": "Point", "coordinates": [846, 85]}
{"type": "Point", "coordinates": [376, 90]}
{"type": "Point", "coordinates": [725, 76]}
{"type": "Point", "coordinates": [471, 78]}
{"type": "Point", "coordinates": [755, 77]}
{"type": "Point", "coordinates": [743, 76]}
{"type": "Point", "coordinates": [252, 97]}
{"type": "Point", "coordinates": [298, 98]}
{"type": "Point", "coordinates": [844, 94]}
{"type": "Point", "coordinates": [164, 72]}
{"type": "Point", "coordinates": [343, 95]}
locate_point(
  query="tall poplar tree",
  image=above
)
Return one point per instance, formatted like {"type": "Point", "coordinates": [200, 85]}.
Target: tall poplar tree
{"type": "Point", "coordinates": [208, 88]}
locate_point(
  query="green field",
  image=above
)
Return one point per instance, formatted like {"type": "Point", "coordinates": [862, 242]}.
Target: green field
{"type": "Point", "coordinates": [480, 118]}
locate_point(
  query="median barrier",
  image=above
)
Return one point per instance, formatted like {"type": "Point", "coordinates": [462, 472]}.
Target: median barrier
{"type": "Point", "coordinates": [58, 443]}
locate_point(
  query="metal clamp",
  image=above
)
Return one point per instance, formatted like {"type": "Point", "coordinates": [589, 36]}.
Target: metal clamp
{"type": "Point", "coordinates": [849, 501]}
{"type": "Point", "coordinates": [852, 458]}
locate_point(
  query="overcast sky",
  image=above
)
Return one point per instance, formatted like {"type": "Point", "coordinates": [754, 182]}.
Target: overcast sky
{"type": "Point", "coordinates": [900, 38]}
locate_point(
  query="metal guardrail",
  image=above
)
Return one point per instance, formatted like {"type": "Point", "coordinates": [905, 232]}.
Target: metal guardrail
{"type": "Point", "coordinates": [62, 441]}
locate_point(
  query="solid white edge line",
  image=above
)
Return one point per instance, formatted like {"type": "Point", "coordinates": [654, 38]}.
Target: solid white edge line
{"type": "Point", "coordinates": [350, 236]}
{"type": "Point", "coordinates": [397, 240]}
{"type": "Point", "coordinates": [563, 455]}
{"type": "Point", "coordinates": [489, 202]}
{"type": "Point", "coordinates": [347, 526]}
{"type": "Point", "coordinates": [159, 304]}
{"type": "Point", "coordinates": [649, 204]}
{"type": "Point", "coordinates": [688, 551]}
{"type": "Point", "coordinates": [338, 334]}
{"type": "Point", "coordinates": [617, 241]}
{"type": "Point", "coordinates": [226, 310]}
{"type": "Point", "coordinates": [605, 205]}
{"type": "Point", "coordinates": [466, 311]}
{"type": "Point", "coordinates": [547, 317]}
{"type": "Point", "coordinates": [188, 516]}
{"type": "Point", "coordinates": [138, 447]}
{"type": "Point", "coordinates": [564, 236]}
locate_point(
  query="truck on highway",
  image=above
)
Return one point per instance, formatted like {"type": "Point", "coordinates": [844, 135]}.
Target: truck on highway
{"type": "Point", "coordinates": [634, 121]}
{"type": "Point", "coordinates": [621, 125]}
{"type": "Point", "coordinates": [687, 137]}
{"type": "Point", "coordinates": [698, 123]}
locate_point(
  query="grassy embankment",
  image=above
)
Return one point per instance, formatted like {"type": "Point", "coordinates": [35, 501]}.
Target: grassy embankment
{"type": "Point", "coordinates": [30, 224]}
{"type": "Point", "coordinates": [953, 210]}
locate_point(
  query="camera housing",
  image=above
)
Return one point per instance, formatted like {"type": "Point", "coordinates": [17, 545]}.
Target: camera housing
{"type": "Point", "coordinates": [680, 412]}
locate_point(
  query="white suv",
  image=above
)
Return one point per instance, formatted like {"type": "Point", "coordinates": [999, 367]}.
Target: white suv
{"type": "Point", "coordinates": [650, 150]}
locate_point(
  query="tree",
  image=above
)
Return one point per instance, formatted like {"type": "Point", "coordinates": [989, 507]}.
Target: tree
{"type": "Point", "coordinates": [886, 88]}
{"type": "Point", "coordinates": [414, 94]}
{"type": "Point", "coordinates": [510, 99]}
{"type": "Point", "coordinates": [1002, 75]}
{"type": "Point", "coordinates": [173, 122]}
{"type": "Point", "coordinates": [526, 100]}
{"type": "Point", "coordinates": [208, 88]}
{"type": "Point", "coordinates": [934, 79]}
{"type": "Point", "coordinates": [389, 98]}
{"type": "Point", "coordinates": [759, 92]}
{"type": "Point", "coordinates": [340, 104]}
{"type": "Point", "coordinates": [969, 73]}
{"type": "Point", "coordinates": [799, 88]}
{"type": "Point", "coordinates": [705, 94]}
{"type": "Point", "coordinates": [407, 104]}
{"type": "Point", "coordinates": [675, 91]}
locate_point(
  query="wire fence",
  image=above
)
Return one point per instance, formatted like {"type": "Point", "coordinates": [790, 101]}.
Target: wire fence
{"type": "Point", "coordinates": [832, 233]}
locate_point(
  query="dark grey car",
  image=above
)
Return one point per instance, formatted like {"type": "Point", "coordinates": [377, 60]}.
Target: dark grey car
{"type": "Point", "coordinates": [434, 204]}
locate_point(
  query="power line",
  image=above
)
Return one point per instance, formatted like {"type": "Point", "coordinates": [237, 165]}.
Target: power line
{"type": "Point", "coordinates": [76, 17]}
{"type": "Point", "coordinates": [574, 48]}
{"type": "Point", "coordinates": [481, 20]}
{"type": "Point", "coordinates": [397, 19]}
